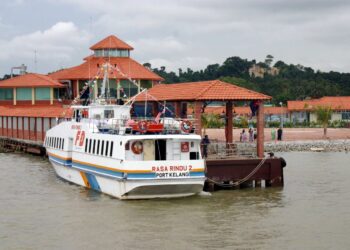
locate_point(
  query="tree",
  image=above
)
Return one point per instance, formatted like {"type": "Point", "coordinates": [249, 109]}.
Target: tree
{"type": "Point", "coordinates": [324, 114]}
{"type": "Point", "coordinates": [147, 65]}
{"type": "Point", "coordinates": [205, 123]}
{"type": "Point", "coordinates": [268, 60]}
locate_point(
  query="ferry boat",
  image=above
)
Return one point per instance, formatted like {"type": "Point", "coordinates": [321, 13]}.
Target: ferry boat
{"type": "Point", "coordinates": [103, 148]}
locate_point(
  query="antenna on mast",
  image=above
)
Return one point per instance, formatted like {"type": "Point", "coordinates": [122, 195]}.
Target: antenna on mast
{"type": "Point", "coordinates": [35, 61]}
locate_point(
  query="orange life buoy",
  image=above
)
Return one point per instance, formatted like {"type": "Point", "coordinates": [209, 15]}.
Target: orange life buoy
{"type": "Point", "coordinates": [137, 147]}
{"type": "Point", "coordinates": [186, 126]}
{"type": "Point", "coordinates": [142, 126]}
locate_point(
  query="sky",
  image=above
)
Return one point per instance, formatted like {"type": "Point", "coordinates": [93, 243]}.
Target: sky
{"type": "Point", "coordinates": [47, 35]}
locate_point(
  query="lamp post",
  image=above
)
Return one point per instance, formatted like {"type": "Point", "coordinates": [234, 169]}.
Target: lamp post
{"type": "Point", "coordinates": [281, 104]}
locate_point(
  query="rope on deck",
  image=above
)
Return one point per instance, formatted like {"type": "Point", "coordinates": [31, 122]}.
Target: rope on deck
{"type": "Point", "coordinates": [237, 183]}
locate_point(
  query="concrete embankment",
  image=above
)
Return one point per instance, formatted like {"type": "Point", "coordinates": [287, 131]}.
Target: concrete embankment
{"type": "Point", "coordinates": [289, 146]}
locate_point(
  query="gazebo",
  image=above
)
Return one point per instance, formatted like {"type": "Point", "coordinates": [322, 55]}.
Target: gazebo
{"type": "Point", "coordinates": [207, 91]}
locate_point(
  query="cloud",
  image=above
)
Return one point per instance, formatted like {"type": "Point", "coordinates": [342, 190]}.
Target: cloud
{"type": "Point", "coordinates": [58, 44]}
{"type": "Point", "coordinates": [190, 33]}
{"type": "Point", "coordinates": [214, 30]}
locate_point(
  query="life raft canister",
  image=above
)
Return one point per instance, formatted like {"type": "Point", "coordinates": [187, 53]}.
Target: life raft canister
{"type": "Point", "coordinates": [186, 126]}
{"type": "Point", "coordinates": [142, 126]}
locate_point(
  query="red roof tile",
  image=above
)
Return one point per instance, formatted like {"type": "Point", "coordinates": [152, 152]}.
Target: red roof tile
{"type": "Point", "coordinates": [202, 91]}
{"type": "Point", "coordinates": [30, 80]}
{"type": "Point", "coordinates": [91, 67]}
{"type": "Point", "coordinates": [35, 111]}
{"type": "Point", "coordinates": [111, 42]}
{"type": "Point", "coordinates": [335, 102]}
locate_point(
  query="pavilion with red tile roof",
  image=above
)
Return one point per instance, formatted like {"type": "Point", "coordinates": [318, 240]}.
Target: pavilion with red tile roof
{"type": "Point", "coordinates": [116, 53]}
{"type": "Point", "coordinates": [207, 91]}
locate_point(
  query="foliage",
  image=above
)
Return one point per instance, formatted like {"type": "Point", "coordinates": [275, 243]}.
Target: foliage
{"type": "Point", "coordinates": [212, 121]}
{"type": "Point", "coordinates": [294, 82]}
{"type": "Point", "coordinates": [323, 114]}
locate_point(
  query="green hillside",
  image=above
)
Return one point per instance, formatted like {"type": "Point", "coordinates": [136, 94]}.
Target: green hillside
{"type": "Point", "coordinates": [294, 82]}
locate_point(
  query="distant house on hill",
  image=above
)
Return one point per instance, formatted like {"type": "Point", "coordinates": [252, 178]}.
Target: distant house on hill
{"type": "Point", "coordinates": [258, 71]}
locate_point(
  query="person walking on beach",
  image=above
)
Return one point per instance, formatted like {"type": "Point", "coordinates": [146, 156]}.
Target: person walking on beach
{"type": "Point", "coordinates": [273, 134]}
{"type": "Point", "coordinates": [205, 142]}
{"type": "Point", "coordinates": [251, 135]}
{"type": "Point", "coordinates": [243, 137]}
{"type": "Point", "coordinates": [279, 134]}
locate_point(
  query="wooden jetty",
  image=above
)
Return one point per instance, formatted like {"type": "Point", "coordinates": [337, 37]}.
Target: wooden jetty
{"type": "Point", "coordinates": [242, 173]}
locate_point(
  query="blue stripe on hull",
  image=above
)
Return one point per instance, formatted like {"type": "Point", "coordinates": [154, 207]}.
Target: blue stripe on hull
{"type": "Point", "coordinates": [67, 163]}
{"type": "Point", "coordinates": [93, 182]}
{"type": "Point", "coordinates": [91, 169]}
{"type": "Point", "coordinates": [113, 174]}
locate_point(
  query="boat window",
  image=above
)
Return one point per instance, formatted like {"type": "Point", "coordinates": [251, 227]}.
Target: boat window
{"type": "Point", "coordinates": [93, 147]}
{"type": "Point", "coordinates": [111, 150]}
{"type": "Point", "coordinates": [160, 150]}
{"type": "Point", "coordinates": [63, 144]}
{"type": "Point", "coordinates": [194, 155]}
{"type": "Point", "coordinates": [86, 145]}
{"type": "Point", "coordinates": [107, 143]}
{"type": "Point", "coordinates": [102, 147]}
{"type": "Point", "coordinates": [98, 147]}
{"type": "Point", "coordinates": [55, 145]}
{"type": "Point", "coordinates": [90, 144]}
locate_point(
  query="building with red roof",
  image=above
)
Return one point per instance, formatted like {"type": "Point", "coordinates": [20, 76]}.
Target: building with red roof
{"type": "Point", "coordinates": [32, 103]}
{"type": "Point", "coordinates": [214, 90]}
{"type": "Point", "coordinates": [304, 110]}
{"type": "Point", "coordinates": [122, 69]}
{"type": "Point", "coordinates": [30, 88]}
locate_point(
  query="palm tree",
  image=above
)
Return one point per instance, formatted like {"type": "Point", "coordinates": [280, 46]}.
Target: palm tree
{"type": "Point", "coordinates": [324, 114]}
{"type": "Point", "coordinates": [205, 122]}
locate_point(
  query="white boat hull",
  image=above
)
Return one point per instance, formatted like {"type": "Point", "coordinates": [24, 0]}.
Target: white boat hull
{"type": "Point", "coordinates": [131, 189]}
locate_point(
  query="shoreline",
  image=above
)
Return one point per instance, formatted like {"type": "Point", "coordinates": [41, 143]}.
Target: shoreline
{"type": "Point", "coordinates": [339, 145]}
{"type": "Point", "coordinates": [294, 139]}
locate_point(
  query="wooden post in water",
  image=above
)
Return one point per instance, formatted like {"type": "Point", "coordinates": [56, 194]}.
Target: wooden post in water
{"type": "Point", "coordinates": [260, 129]}
{"type": "Point", "coordinates": [228, 125]}
{"type": "Point", "coordinates": [257, 183]}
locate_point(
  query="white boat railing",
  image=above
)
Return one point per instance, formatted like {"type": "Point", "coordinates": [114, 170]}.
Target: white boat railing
{"type": "Point", "coordinates": [141, 125]}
